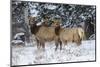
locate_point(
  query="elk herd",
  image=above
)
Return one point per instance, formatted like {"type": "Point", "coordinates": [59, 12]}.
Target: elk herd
{"type": "Point", "coordinates": [45, 33]}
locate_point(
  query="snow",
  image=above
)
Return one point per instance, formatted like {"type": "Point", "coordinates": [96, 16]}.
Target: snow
{"type": "Point", "coordinates": [18, 34]}
{"type": "Point", "coordinates": [83, 17]}
{"type": "Point", "coordinates": [34, 12]}
{"type": "Point", "coordinates": [70, 53]}
{"type": "Point", "coordinates": [51, 7]}
{"type": "Point", "coordinates": [38, 24]}
{"type": "Point", "coordinates": [17, 41]}
{"type": "Point", "coordinates": [92, 37]}
{"type": "Point", "coordinates": [17, 38]}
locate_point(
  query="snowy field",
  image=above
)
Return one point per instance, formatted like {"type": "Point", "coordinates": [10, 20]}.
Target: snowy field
{"type": "Point", "coordinates": [70, 53]}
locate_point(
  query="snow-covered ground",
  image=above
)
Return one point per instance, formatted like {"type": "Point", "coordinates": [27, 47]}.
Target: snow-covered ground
{"type": "Point", "coordinates": [69, 53]}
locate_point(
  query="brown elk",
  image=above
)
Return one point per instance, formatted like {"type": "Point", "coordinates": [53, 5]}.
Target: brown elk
{"type": "Point", "coordinates": [43, 33]}
{"type": "Point", "coordinates": [70, 34]}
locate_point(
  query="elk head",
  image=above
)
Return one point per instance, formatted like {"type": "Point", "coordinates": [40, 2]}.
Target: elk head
{"type": "Point", "coordinates": [32, 20]}
{"type": "Point", "coordinates": [32, 23]}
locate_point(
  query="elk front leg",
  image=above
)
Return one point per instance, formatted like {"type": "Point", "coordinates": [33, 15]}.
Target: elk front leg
{"type": "Point", "coordinates": [60, 45]}
{"type": "Point", "coordinates": [56, 43]}
{"type": "Point", "coordinates": [38, 44]}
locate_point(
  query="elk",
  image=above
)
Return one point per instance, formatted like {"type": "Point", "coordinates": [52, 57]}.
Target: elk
{"type": "Point", "coordinates": [66, 35]}
{"type": "Point", "coordinates": [43, 33]}
{"type": "Point", "coordinates": [71, 35]}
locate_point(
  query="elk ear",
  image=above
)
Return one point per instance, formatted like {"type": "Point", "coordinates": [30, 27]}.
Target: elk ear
{"type": "Point", "coordinates": [32, 20]}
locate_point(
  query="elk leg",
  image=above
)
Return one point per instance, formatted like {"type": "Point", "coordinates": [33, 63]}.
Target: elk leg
{"type": "Point", "coordinates": [56, 46]}
{"type": "Point", "coordinates": [60, 45]}
{"type": "Point", "coordinates": [38, 44]}
{"type": "Point", "coordinates": [78, 42]}
{"type": "Point", "coordinates": [42, 45]}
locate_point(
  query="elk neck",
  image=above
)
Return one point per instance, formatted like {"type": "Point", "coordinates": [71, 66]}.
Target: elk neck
{"type": "Point", "coordinates": [34, 29]}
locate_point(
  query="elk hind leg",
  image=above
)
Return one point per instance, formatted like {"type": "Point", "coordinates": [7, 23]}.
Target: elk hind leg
{"type": "Point", "coordinates": [43, 46]}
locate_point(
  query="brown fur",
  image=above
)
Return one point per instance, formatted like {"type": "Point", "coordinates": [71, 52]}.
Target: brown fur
{"type": "Point", "coordinates": [66, 35]}
{"type": "Point", "coordinates": [71, 35]}
{"type": "Point", "coordinates": [56, 24]}
{"type": "Point", "coordinates": [46, 34]}
{"type": "Point", "coordinates": [32, 20]}
{"type": "Point", "coordinates": [43, 34]}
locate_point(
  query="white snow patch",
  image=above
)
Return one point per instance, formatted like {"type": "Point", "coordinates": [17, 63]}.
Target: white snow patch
{"type": "Point", "coordinates": [17, 41]}
{"type": "Point", "coordinates": [18, 34]}
{"type": "Point", "coordinates": [34, 13]}
{"type": "Point", "coordinates": [51, 7]}
{"type": "Point", "coordinates": [39, 23]}
{"type": "Point", "coordinates": [69, 53]}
